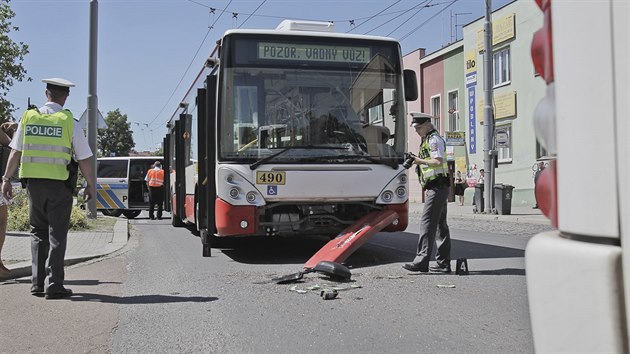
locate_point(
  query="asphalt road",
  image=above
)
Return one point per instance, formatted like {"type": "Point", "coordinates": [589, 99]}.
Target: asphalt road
{"type": "Point", "coordinates": [159, 295]}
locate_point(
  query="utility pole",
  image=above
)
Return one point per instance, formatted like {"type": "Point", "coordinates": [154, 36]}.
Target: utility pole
{"type": "Point", "coordinates": [488, 122]}
{"type": "Point", "coordinates": [92, 100]}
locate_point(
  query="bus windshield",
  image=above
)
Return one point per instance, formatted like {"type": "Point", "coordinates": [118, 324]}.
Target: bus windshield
{"type": "Point", "coordinates": [279, 92]}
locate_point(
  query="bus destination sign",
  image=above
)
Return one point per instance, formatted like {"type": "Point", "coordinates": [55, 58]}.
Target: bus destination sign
{"type": "Point", "coordinates": [309, 52]}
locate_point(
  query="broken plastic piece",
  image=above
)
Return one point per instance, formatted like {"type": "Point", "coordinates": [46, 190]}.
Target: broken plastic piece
{"type": "Point", "coordinates": [329, 294]}
{"type": "Point", "coordinates": [299, 291]}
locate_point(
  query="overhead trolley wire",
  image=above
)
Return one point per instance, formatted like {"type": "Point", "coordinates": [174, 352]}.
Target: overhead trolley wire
{"type": "Point", "coordinates": [427, 21]}
{"type": "Point", "coordinates": [252, 14]}
{"type": "Point", "coordinates": [378, 13]}
{"type": "Point", "coordinates": [231, 12]}
{"type": "Point", "coordinates": [412, 16]}
{"type": "Point", "coordinates": [191, 62]}
{"type": "Point", "coordinates": [203, 68]}
{"type": "Point", "coordinates": [422, 6]}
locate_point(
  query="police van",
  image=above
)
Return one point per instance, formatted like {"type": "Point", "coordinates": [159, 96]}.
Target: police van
{"type": "Point", "coordinates": [120, 185]}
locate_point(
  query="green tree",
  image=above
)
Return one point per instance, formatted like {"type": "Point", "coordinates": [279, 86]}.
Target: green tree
{"type": "Point", "coordinates": [159, 152]}
{"type": "Point", "coordinates": [117, 139]}
{"type": "Point", "coordinates": [11, 58]}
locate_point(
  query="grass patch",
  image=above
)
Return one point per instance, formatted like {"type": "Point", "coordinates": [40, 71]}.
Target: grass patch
{"type": "Point", "coordinates": [102, 223]}
{"type": "Point", "coordinates": [18, 216]}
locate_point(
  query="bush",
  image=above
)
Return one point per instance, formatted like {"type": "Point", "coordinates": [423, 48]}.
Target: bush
{"type": "Point", "coordinates": [18, 214]}
{"type": "Point", "coordinates": [78, 219]}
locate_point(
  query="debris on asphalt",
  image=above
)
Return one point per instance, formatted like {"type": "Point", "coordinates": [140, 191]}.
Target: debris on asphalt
{"type": "Point", "coordinates": [299, 291]}
{"type": "Point", "coordinates": [328, 294]}
{"type": "Point", "coordinates": [343, 288]}
{"type": "Point", "coordinates": [325, 289]}
{"type": "Point", "coordinates": [446, 285]}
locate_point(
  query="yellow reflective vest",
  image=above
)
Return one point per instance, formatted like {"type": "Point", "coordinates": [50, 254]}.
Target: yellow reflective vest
{"type": "Point", "coordinates": [46, 144]}
{"type": "Point", "coordinates": [428, 173]}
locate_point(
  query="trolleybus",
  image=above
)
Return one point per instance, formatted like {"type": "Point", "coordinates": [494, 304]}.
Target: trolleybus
{"type": "Point", "coordinates": [292, 131]}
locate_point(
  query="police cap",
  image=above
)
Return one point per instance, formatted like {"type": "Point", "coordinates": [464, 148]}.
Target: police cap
{"type": "Point", "coordinates": [418, 119]}
{"type": "Point", "coordinates": [57, 84]}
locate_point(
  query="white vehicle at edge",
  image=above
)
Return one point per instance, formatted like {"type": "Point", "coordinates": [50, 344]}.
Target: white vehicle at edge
{"type": "Point", "coordinates": [578, 275]}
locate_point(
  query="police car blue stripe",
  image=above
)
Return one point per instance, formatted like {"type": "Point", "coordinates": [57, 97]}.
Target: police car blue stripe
{"type": "Point", "coordinates": [115, 199]}
{"type": "Point", "coordinates": [102, 201]}
{"type": "Point", "coordinates": [111, 186]}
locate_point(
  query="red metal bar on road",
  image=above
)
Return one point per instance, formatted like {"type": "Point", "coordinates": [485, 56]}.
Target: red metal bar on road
{"type": "Point", "coordinates": [353, 237]}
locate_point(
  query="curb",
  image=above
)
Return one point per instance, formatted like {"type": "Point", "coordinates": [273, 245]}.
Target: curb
{"type": "Point", "coordinates": [524, 219]}
{"type": "Point", "coordinates": [514, 218]}
{"type": "Point", "coordinates": [121, 235]}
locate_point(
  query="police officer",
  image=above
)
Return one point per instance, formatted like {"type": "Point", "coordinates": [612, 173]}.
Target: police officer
{"type": "Point", "coordinates": [43, 146]}
{"type": "Point", "coordinates": [433, 174]}
{"type": "Point", "coordinates": [155, 182]}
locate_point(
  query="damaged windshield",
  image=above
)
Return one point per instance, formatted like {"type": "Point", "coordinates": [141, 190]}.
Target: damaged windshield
{"type": "Point", "coordinates": [297, 96]}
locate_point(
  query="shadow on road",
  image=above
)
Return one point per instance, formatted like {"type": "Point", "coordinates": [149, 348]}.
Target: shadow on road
{"type": "Point", "coordinates": [504, 271]}
{"type": "Point", "coordinates": [140, 299]}
{"type": "Point", "coordinates": [378, 253]}
{"type": "Point", "coordinates": [90, 282]}
{"type": "Point", "coordinates": [381, 249]}
{"type": "Point", "coordinates": [272, 250]}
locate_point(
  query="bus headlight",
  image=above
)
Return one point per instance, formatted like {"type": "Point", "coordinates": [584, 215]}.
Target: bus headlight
{"type": "Point", "coordinates": [387, 196]}
{"type": "Point", "coordinates": [401, 192]}
{"type": "Point", "coordinates": [236, 189]}
{"type": "Point", "coordinates": [396, 191]}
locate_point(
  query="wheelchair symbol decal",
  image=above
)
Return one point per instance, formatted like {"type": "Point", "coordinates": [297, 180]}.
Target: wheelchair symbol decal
{"type": "Point", "coordinates": [272, 190]}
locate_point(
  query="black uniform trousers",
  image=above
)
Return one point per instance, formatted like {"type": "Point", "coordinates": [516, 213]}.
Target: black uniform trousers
{"type": "Point", "coordinates": [50, 206]}
{"type": "Point", "coordinates": [156, 196]}
{"type": "Point", "coordinates": [434, 218]}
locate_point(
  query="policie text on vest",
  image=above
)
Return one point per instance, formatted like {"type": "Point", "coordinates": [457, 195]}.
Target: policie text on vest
{"type": "Point", "coordinates": [43, 130]}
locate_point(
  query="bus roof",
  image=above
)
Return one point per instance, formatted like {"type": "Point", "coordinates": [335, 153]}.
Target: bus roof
{"type": "Point", "coordinates": [308, 34]}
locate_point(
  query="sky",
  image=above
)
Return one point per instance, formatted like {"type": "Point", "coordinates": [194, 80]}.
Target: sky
{"type": "Point", "coordinates": [150, 51]}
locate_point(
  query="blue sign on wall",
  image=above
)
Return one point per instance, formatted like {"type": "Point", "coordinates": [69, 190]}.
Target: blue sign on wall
{"type": "Point", "coordinates": [472, 121]}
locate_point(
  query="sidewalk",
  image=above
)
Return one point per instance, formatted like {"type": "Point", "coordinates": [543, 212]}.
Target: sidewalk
{"type": "Point", "coordinates": [82, 246]}
{"type": "Point", "coordinates": [519, 214]}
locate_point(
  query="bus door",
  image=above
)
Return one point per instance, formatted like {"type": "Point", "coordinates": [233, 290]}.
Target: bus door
{"type": "Point", "coordinates": [113, 184]}
{"type": "Point", "coordinates": [180, 165]}
{"type": "Point", "coordinates": [166, 148]}
{"type": "Point", "coordinates": [210, 144]}
{"type": "Point", "coordinates": [202, 160]}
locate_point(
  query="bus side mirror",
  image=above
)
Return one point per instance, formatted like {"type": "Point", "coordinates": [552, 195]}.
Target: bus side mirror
{"type": "Point", "coordinates": [211, 62]}
{"type": "Point", "coordinates": [411, 85]}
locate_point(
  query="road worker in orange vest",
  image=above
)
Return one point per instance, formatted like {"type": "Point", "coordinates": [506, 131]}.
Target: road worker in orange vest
{"type": "Point", "coordinates": [155, 182]}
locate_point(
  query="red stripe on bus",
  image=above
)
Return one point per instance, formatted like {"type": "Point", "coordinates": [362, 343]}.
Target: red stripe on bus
{"type": "Point", "coordinates": [228, 218]}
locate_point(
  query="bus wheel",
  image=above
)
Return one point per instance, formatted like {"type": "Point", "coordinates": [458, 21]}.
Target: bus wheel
{"type": "Point", "coordinates": [130, 214]}
{"type": "Point", "coordinates": [176, 221]}
{"type": "Point", "coordinates": [111, 212]}
{"type": "Point", "coordinates": [206, 247]}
